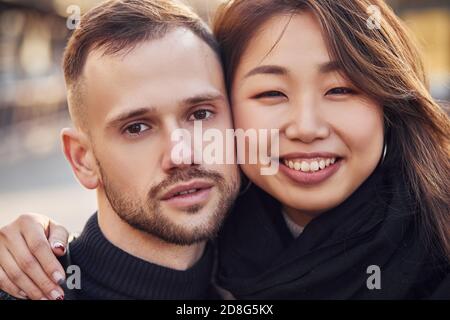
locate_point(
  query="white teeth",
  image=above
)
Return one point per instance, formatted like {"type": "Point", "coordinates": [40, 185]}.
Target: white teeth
{"type": "Point", "coordinates": [305, 166]}
{"type": "Point", "coordinates": [321, 164]}
{"type": "Point", "coordinates": [313, 166]}
{"type": "Point", "coordinates": [186, 192]}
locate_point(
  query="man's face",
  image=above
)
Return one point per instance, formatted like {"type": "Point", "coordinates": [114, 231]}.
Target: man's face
{"type": "Point", "coordinates": [134, 102]}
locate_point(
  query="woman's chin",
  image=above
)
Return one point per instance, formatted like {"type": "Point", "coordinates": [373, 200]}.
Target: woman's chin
{"type": "Point", "coordinates": [308, 200]}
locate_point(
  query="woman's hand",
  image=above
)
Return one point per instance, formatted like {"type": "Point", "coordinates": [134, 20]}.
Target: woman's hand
{"type": "Point", "coordinates": [29, 268]}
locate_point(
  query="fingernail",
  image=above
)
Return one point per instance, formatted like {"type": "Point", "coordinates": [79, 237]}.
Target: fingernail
{"type": "Point", "coordinates": [56, 295]}
{"type": "Point", "coordinates": [59, 245]}
{"type": "Point", "coordinates": [58, 277]}
{"type": "Point", "coordinates": [23, 294]}
{"type": "Point", "coordinates": [44, 299]}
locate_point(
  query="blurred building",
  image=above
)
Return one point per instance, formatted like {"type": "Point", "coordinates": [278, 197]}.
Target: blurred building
{"type": "Point", "coordinates": [31, 85]}
{"type": "Point", "coordinates": [429, 20]}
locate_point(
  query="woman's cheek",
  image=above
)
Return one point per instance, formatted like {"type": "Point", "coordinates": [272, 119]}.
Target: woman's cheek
{"type": "Point", "coordinates": [247, 115]}
{"type": "Point", "coordinates": [244, 117]}
{"type": "Point", "coordinates": [361, 129]}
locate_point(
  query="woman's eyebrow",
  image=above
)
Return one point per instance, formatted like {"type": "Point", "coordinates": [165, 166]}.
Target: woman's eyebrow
{"type": "Point", "coordinates": [329, 66]}
{"type": "Point", "coordinates": [326, 67]}
{"type": "Point", "coordinates": [268, 69]}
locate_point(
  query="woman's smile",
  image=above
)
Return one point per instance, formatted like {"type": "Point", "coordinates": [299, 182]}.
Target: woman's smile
{"type": "Point", "coordinates": [310, 169]}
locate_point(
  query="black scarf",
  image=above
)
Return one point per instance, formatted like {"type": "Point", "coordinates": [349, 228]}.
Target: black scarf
{"type": "Point", "coordinates": [376, 226]}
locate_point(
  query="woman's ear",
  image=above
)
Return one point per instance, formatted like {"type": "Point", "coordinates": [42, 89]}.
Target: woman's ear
{"type": "Point", "coordinates": [80, 156]}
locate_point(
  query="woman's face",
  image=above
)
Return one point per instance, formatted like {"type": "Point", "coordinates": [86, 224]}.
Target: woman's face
{"type": "Point", "coordinates": [331, 134]}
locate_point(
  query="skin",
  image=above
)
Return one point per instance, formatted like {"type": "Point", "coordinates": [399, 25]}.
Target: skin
{"type": "Point", "coordinates": [157, 78]}
{"type": "Point", "coordinates": [315, 108]}
{"type": "Point", "coordinates": [170, 82]}
{"type": "Point", "coordinates": [313, 114]}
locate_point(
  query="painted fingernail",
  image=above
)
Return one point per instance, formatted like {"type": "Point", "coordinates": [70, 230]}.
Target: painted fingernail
{"type": "Point", "coordinates": [59, 245]}
{"type": "Point", "coordinates": [56, 295]}
{"type": "Point", "coordinates": [58, 277]}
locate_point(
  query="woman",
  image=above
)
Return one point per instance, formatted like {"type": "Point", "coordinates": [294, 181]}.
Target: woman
{"type": "Point", "coordinates": [364, 155]}
{"type": "Point", "coordinates": [360, 206]}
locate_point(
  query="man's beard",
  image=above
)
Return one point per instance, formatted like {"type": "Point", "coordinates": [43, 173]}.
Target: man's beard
{"type": "Point", "coordinates": [148, 216]}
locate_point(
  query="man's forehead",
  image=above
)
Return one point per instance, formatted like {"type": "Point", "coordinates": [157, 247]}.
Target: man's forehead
{"type": "Point", "coordinates": [177, 61]}
{"type": "Point", "coordinates": [179, 45]}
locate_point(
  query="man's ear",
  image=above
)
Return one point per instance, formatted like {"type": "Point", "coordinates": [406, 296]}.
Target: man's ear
{"type": "Point", "coordinates": [80, 156]}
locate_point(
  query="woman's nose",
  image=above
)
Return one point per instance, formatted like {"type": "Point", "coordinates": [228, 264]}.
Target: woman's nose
{"type": "Point", "coordinates": [306, 123]}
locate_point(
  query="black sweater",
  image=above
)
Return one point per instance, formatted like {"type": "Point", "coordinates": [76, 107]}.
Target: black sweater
{"type": "Point", "coordinates": [108, 272]}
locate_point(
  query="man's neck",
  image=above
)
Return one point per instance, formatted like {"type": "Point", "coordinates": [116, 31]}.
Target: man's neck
{"type": "Point", "coordinates": [143, 245]}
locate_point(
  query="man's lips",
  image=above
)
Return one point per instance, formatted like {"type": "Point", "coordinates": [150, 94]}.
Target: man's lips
{"type": "Point", "coordinates": [186, 189]}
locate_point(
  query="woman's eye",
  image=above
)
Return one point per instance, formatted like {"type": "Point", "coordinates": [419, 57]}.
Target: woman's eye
{"type": "Point", "coordinates": [200, 115]}
{"type": "Point", "coordinates": [340, 91]}
{"type": "Point", "coordinates": [136, 129]}
{"type": "Point", "coordinates": [269, 94]}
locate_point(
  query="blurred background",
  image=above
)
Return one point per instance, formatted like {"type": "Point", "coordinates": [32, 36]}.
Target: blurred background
{"type": "Point", "coordinates": [34, 175]}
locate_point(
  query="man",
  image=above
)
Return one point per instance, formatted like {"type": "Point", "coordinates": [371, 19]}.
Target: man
{"type": "Point", "coordinates": [136, 71]}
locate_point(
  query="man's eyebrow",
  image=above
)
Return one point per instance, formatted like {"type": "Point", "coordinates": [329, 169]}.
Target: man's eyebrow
{"type": "Point", "coordinates": [130, 114]}
{"type": "Point", "coordinates": [268, 69]}
{"type": "Point", "coordinates": [196, 99]}
{"type": "Point", "coordinates": [203, 98]}
{"type": "Point", "coordinates": [330, 66]}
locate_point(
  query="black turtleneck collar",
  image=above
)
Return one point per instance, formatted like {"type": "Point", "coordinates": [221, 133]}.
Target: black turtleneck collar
{"type": "Point", "coordinates": [108, 272]}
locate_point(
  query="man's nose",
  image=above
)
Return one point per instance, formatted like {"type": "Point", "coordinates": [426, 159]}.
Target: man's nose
{"type": "Point", "coordinates": [179, 151]}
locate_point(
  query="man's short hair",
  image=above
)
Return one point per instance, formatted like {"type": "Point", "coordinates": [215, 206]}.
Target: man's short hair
{"type": "Point", "coordinates": [116, 27]}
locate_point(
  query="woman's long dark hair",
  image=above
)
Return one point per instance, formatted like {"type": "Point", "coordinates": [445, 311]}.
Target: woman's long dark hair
{"type": "Point", "coordinates": [384, 63]}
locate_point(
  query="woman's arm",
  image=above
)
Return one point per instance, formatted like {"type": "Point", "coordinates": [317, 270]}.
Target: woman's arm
{"type": "Point", "coordinates": [29, 267]}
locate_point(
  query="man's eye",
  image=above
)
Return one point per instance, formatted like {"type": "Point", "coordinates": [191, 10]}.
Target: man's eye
{"type": "Point", "coordinates": [201, 115]}
{"type": "Point", "coordinates": [340, 91]}
{"type": "Point", "coordinates": [270, 94]}
{"type": "Point", "coordinates": [136, 129]}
